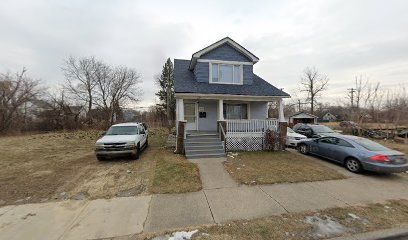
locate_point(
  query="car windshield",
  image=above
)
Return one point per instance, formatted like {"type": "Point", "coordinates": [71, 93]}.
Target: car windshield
{"type": "Point", "coordinates": [290, 130]}
{"type": "Point", "coordinates": [122, 130]}
{"type": "Point", "coordinates": [370, 145]}
{"type": "Point", "coordinates": [322, 129]}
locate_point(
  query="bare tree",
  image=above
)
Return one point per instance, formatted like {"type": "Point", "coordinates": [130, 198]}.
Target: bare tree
{"type": "Point", "coordinates": [80, 80]}
{"type": "Point", "coordinates": [15, 92]}
{"type": "Point", "coordinates": [313, 83]}
{"type": "Point", "coordinates": [115, 88]}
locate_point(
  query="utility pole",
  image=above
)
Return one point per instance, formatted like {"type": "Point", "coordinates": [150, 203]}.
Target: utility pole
{"type": "Point", "coordinates": [351, 94]}
{"type": "Point", "coordinates": [299, 105]}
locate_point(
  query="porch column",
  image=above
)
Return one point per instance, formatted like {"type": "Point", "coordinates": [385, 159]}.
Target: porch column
{"type": "Point", "coordinates": [282, 126]}
{"type": "Point", "coordinates": [220, 110]}
{"type": "Point", "coordinates": [281, 115]}
{"type": "Point", "coordinates": [180, 109]}
{"type": "Point", "coordinates": [180, 126]}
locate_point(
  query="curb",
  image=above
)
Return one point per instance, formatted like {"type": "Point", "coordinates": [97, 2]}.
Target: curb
{"type": "Point", "coordinates": [399, 233]}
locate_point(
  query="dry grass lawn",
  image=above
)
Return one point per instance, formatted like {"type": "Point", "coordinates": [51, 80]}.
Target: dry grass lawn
{"type": "Point", "coordinates": [173, 174]}
{"type": "Point", "coordinates": [294, 226]}
{"type": "Point", "coordinates": [277, 167]}
{"type": "Point", "coordinates": [55, 166]}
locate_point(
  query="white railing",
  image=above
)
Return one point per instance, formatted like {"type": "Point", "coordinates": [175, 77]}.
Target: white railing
{"type": "Point", "coordinates": [251, 125]}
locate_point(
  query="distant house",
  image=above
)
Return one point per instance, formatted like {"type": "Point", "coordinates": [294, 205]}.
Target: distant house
{"type": "Point", "coordinates": [302, 117]}
{"type": "Point", "coordinates": [328, 117]}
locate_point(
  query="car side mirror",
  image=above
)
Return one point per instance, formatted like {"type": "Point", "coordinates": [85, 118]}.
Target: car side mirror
{"type": "Point", "coordinates": [143, 132]}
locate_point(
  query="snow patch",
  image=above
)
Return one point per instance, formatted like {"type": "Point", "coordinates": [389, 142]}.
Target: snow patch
{"type": "Point", "coordinates": [183, 235]}
{"type": "Point", "coordinates": [325, 227]}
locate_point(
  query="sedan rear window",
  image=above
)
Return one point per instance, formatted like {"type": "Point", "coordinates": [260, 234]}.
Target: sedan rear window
{"type": "Point", "coordinates": [370, 145]}
{"type": "Point", "coordinates": [122, 130]}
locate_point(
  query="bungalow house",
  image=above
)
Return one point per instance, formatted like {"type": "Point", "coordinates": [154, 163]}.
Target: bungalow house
{"type": "Point", "coordinates": [329, 117]}
{"type": "Point", "coordinates": [221, 104]}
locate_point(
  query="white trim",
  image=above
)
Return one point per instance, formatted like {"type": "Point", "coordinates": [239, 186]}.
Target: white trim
{"type": "Point", "coordinates": [228, 97]}
{"type": "Point", "coordinates": [233, 44]}
{"type": "Point", "coordinates": [233, 73]}
{"type": "Point", "coordinates": [224, 62]}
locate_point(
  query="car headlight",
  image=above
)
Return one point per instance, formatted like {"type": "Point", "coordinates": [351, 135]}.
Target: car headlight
{"type": "Point", "coordinates": [98, 144]}
{"type": "Point", "coordinates": [291, 138]}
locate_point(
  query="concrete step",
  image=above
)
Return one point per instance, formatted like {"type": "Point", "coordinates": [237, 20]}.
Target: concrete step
{"type": "Point", "coordinates": [213, 143]}
{"type": "Point", "coordinates": [202, 140]}
{"type": "Point", "coordinates": [205, 155]}
{"type": "Point", "coordinates": [201, 147]}
{"type": "Point", "coordinates": [203, 136]}
{"type": "Point", "coordinates": [205, 151]}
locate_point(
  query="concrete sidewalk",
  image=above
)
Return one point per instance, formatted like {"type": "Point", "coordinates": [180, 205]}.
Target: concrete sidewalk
{"type": "Point", "coordinates": [220, 200]}
{"type": "Point", "coordinates": [74, 219]}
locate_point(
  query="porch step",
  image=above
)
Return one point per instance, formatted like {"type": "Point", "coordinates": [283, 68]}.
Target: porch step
{"type": "Point", "coordinates": [202, 140]}
{"type": "Point", "coordinates": [205, 155]}
{"type": "Point", "coordinates": [203, 145]}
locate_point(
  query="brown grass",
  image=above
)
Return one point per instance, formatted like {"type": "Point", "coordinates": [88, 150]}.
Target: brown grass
{"type": "Point", "coordinates": [174, 174]}
{"type": "Point", "coordinates": [293, 226]}
{"type": "Point", "coordinates": [277, 167]}
{"type": "Point", "coordinates": [53, 166]}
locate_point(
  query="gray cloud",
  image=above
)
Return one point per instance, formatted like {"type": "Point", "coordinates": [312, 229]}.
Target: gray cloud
{"type": "Point", "coordinates": [341, 38]}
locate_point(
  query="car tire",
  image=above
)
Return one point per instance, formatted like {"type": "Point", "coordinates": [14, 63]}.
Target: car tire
{"type": "Point", "coordinates": [353, 165]}
{"type": "Point", "coordinates": [303, 148]}
{"type": "Point", "coordinates": [147, 142]}
{"type": "Point", "coordinates": [136, 155]}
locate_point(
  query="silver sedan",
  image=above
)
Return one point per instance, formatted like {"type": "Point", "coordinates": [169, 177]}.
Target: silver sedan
{"type": "Point", "coordinates": [356, 153]}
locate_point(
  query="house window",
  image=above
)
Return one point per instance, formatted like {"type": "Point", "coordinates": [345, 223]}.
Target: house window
{"type": "Point", "coordinates": [226, 73]}
{"type": "Point", "coordinates": [235, 111]}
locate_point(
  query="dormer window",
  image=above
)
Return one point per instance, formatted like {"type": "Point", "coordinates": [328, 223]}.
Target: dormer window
{"type": "Point", "coordinates": [226, 73]}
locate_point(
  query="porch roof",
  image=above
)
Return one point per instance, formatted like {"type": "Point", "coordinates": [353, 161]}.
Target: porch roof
{"type": "Point", "coordinates": [184, 82]}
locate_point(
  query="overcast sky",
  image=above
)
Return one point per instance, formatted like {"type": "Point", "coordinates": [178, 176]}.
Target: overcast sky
{"type": "Point", "coordinates": [341, 38]}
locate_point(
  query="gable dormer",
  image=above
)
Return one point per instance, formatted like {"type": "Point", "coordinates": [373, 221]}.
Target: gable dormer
{"type": "Point", "coordinates": [224, 62]}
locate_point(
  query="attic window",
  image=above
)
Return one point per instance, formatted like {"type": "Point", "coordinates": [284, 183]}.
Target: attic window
{"type": "Point", "coordinates": [225, 73]}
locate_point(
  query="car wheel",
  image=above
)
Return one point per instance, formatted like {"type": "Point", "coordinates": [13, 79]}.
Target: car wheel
{"type": "Point", "coordinates": [147, 142]}
{"type": "Point", "coordinates": [136, 155]}
{"type": "Point", "coordinates": [353, 165]}
{"type": "Point", "coordinates": [303, 149]}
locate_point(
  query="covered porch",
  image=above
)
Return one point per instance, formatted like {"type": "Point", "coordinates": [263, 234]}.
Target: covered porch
{"type": "Point", "coordinates": [238, 114]}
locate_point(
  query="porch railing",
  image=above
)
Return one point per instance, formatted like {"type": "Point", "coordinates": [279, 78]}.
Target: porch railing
{"type": "Point", "coordinates": [251, 125]}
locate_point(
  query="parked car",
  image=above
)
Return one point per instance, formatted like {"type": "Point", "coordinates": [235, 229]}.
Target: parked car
{"type": "Point", "coordinates": [122, 139]}
{"type": "Point", "coordinates": [313, 130]}
{"type": "Point", "coordinates": [293, 138]}
{"type": "Point", "coordinates": [356, 153]}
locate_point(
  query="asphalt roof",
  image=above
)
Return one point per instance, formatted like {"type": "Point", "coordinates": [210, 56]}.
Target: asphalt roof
{"type": "Point", "coordinates": [184, 82]}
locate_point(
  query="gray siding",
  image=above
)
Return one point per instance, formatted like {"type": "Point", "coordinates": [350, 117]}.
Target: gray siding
{"type": "Point", "coordinates": [226, 53]}
{"type": "Point", "coordinates": [210, 122]}
{"type": "Point", "coordinates": [248, 73]}
{"type": "Point", "coordinates": [201, 72]}
{"type": "Point", "coordinates": [258, 110]}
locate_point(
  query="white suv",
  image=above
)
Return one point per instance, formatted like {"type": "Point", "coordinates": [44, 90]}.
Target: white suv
{"type": "Point", "coordinates": [122, 139]}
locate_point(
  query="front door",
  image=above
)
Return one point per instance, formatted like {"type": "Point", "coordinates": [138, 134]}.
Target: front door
{"type": "Point", "coordinates": [190, 114]}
